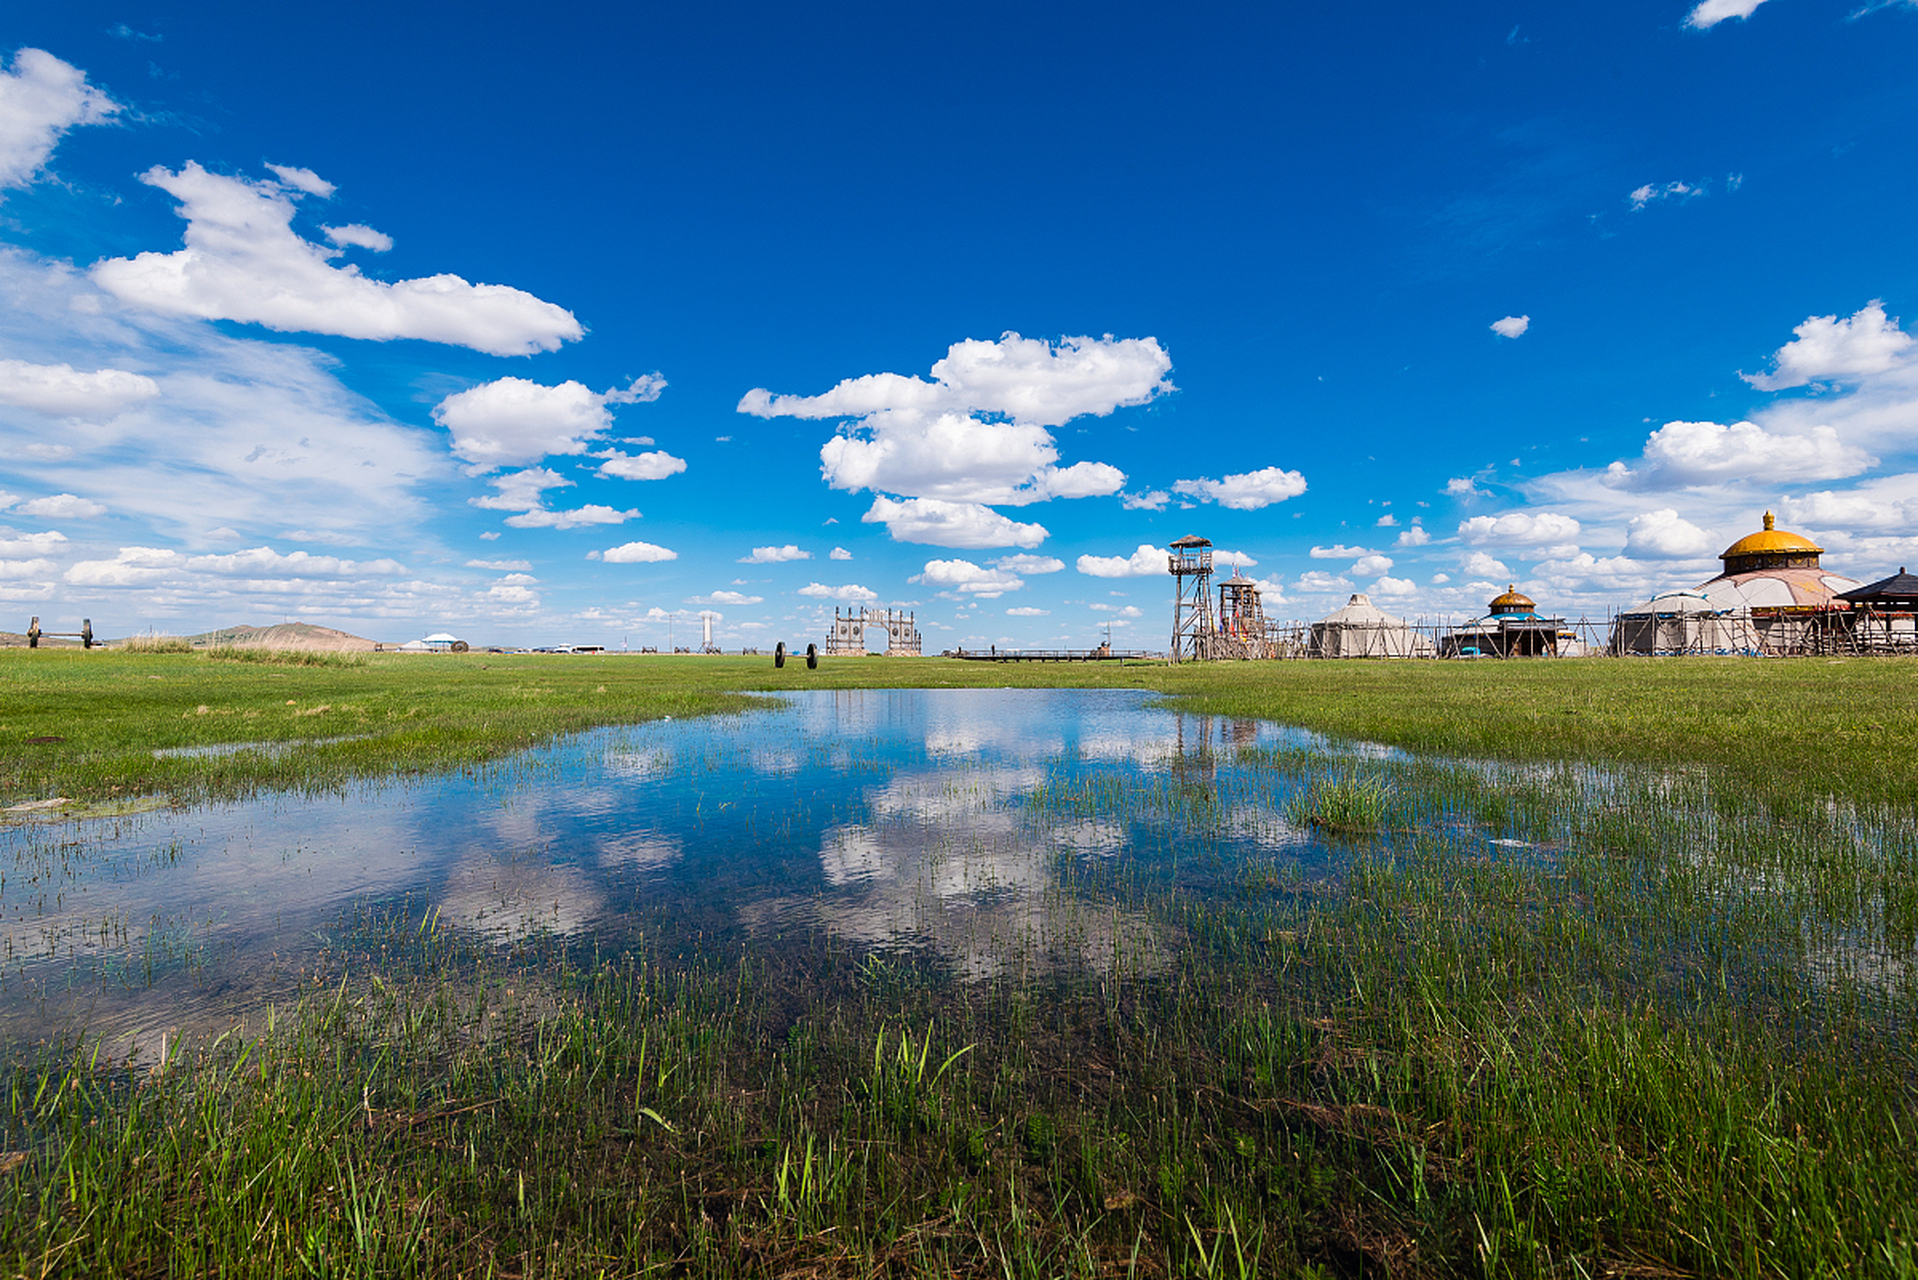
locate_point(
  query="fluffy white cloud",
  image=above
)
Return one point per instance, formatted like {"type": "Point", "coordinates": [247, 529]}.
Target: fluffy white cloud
{"type": "Point", "coordinates": [243, 261]}
{"type": "Point", "coordinates": [656, 465]}
{"type": "Point", "coordinates": [1148, 561]}
{"type": "Point", "coordinates": [355, 236]}
{"type": "Point", "coordinates": [1387, 521]}
{"type": "Point", "coordinates": [1120, 610]}
{"type": "Point", "coordinates": [851, 591]}
{"type": "Point", "coordinates": [966, 525]}
{"type": "Point", "coordinates": [1519, 529]}
{"type": "Point", "coordinates": [40, 99]}
{"type": "Point", "coordinates": [725, 597]}
{"type": "Point", "coordinates": [521, 490]}
{"type": "Point", "coordinates": [635, 553]}
{"type": "Point", "coordinates": [15, 543]}
{"type": "Point", "coordinates": [62, 506]}
{"type": "Point", "coordinates": [1026, 611]}
{"type": "Point", "coordinates": [512, 422]}
{"type": "Point", "coordinates": [1710, 13]}
{"type": "Point", "coordinates": [1511, 326]}
{"type": "Point", "coordinates": [978, 432]}
{"type": "Point", "coordinates": [1415, 536]}
{"type": "Point", "coordinates": [61, 391]}
{"type": "Point", "coordinates": [577, 518]}
{"type": "Point", "coordinates": [1368, 566]}
{"type": "Point", "coordinates": [1665, 535]}
{"type": "Point", "coordinates": [1248, 492]}
{"type": "Point", "coordinates": [1394, 587]}
{"type": "Point", "coordinates": [779, 555]}
{"type": "Point", "coordinates": [1615, 577]}
{"type": "Point", "coordinates": [15, 570]}
{"type": "Point", "coordinates": [1679, 454]}
{"type": "Point", "coordinates": [840, 553]}
{"type": "Point", "coordinates": [1337, 551]}
{"type": "Point", "coordinates": [1025, 379]}
{"type": "Point", "coordinates": [1319, 581]}
{"type": "Point", "coordinates": [1025, 563]}
{"type": "Point", "coordinates": [1829, 349]}
{"type": "Point", "coordinates": [1151, 500]}
{"type": "Point", "coordinates": [1477, 564]}
{"type": "Point", "coordinates": [501, 566]}
{"type": "Point", "coordinates": [1461, 487]}
{"type": "Point", "coordinates": [967, 577]}
{"type": "Point", "coordinates": [1233, 559]}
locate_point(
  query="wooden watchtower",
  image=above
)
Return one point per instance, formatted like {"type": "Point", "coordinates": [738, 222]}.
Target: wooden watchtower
{"type": "Point", "coordinates": [1191, 567]}
{"type": "Point", "coordinates": [1242, 628]}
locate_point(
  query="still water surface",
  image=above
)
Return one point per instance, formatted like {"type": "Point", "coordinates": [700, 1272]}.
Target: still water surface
{"type": "Point", "coordinates": [954, 823]}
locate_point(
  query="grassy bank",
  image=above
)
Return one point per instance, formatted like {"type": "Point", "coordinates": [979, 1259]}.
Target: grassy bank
{"type": "Point", "coordinates": [85, 725]}
{"type": "Point", "coordinates": [1536, 1019]}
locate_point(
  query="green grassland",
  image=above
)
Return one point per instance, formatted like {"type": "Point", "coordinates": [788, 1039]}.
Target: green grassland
{"type": "Point", "coordinates": [1668, 1026]}
{"type": "Point", "coordinates": [1807, 726]}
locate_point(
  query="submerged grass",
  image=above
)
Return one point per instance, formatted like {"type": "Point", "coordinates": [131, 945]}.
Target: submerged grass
{"type": "Point", "coordinates": [84, 724]}
{"type": "Point", "coordinates": [1542, 1019]}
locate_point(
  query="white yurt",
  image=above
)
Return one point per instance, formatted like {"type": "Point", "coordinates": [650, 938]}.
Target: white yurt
{"type": "Point", "coordinates": [1360, 629]}
{"type": "Point", "coordinates": [1676, 622]}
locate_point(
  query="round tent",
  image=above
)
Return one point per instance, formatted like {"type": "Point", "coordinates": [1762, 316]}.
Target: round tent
{"type": "Point", "coordinates": [1677, 622]}
{"type": "Point", "coordinates": [1360, 629]}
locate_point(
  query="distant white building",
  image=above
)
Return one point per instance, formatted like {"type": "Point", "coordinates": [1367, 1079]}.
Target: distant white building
{"type": "Point", "coordinates": [439, 642]}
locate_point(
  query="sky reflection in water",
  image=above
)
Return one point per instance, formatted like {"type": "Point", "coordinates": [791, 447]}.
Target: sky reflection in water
{"type": "Point", "coordinates": [898, 818]}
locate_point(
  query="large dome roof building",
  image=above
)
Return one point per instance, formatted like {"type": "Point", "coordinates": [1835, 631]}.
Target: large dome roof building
{"type": "Point", "coordinates": [1777, 575]}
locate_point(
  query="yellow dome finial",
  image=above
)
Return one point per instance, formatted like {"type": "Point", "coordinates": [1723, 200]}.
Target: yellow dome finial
{"type": "Point", "coordinates": [1769, 522]}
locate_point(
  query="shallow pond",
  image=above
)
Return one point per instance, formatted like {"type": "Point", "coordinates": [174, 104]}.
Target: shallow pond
{"type": "Point", "coordinates": [991, 832]}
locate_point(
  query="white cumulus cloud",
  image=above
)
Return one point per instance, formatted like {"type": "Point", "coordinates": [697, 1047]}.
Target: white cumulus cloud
{"type": "Point", "coordinates": [1414, 536]}
{"type": "Point", "coordinates": [1519, 529]}
{"type": "Point", "coordinates": [979, 431]}
{"type": "Point", "coordinates": [62, 506]}
{"type": "Point", "coordinates": [1368, 566]}
{"type": "Point", "coordinates": [1250, 491]}
{"type": "Point", "coordinates": [851, 591]}
{"type": "Point", "coordinates": [840, 553]}
{"type": "Point", "coordinates": [656, 465]}
{"type": "Point", "coordinates": [964, 525]}
{"type": "Point", "coordinates": [635, 553]}
{"type": "Point", "coordinates": [726, 597]}
{"type": "Point", "coordinates": [40, 99]}
{"type": "Point", "coordinates": [1665, 535]}
{"type": "Point", "coordinates": [1829, 349]}
{"type": "Point", "coordinates": [61, 391]}
{"type": "Point", "coordinates": [1710, 13]}
{"type": "Point", "coordinates": [1702, 453]}
{"type": "Point", "coordinates": [511, 422]}
{"type": "Point", "coordinates": [1026, 611]}
{"type": "Point", "coordinates": [1477, 564]}
{"type": "Point", "coordinates": [243, 261]}
{"type": "Point", "coordinates": [1511, 326]}
{"type": "Point", "coordinates": [1026, 563]}
{"type": "Point", "coordinates": [970, 578]}
{"type": "Point", "coordinates": [1337, 551]}
{"type": "Point", "coordinates": [779, 555]}
{"type": "Point", "coordinates": [1147, 561]}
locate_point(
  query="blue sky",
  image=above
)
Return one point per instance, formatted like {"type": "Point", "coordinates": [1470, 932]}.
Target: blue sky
{"type": "Point", "coordinates": [543, 328]}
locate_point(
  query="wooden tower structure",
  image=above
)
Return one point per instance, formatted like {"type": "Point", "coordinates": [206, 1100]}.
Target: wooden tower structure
{"type": "Point", "coordinates": [1191, 567]}
{"type": "Point", "coordinates": [1241, 632]}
